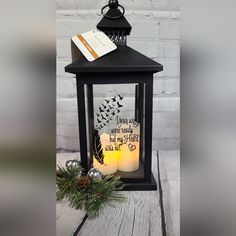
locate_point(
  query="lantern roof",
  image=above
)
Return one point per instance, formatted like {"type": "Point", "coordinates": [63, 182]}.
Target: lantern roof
{"type": "Point", "coordinates": [123, 59]}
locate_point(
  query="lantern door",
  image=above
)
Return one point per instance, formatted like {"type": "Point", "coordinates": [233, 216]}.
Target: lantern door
{"type": "Point", "coordinates": [119, 126]}
{"type": "Point", "coordinates": [117, 131]}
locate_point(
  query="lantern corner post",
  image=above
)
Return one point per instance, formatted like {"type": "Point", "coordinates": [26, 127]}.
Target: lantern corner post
{"type": "Point", "coordinates": [80, 86]}
{"type": "Point", "coordinates": [148, 127]}
{"type": "Point", "coordinates": [91, 128]}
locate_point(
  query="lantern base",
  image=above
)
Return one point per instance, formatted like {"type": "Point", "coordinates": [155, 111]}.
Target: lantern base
{"type": "Point", "coordinates": [141, 185]}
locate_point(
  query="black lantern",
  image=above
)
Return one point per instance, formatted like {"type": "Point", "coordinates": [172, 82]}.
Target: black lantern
{"type": "Point", "coordinates": [115, 99]}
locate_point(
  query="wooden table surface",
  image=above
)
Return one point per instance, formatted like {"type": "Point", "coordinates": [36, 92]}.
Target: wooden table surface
{"type": "Point", "coordinates": [145, 213]}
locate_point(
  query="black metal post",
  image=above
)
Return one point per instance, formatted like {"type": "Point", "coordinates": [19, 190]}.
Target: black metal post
{"type": "Point", "coordinates": [148, 128]}
{"type": "Point", "coordinates": [90, 120]}
{"type": "Point", "coordinates": [141, 121]}
{"type": "Point", "coordinates": [82, 124]}
{"type": "Point", "coordinates": [139, 116]}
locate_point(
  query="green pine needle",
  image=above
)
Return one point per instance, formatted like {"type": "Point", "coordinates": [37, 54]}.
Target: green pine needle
{"type": "Point", "coordinates": [93, 199]}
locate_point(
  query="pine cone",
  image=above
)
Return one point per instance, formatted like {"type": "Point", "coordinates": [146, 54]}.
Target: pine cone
{"type": "Point", "coordinates": [59, 173]}
{"type": "Point", "coordinates": [83, 182]}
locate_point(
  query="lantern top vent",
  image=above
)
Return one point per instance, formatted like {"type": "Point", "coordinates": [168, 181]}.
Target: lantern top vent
{"type": "Point", "coordinates": [114, 24]}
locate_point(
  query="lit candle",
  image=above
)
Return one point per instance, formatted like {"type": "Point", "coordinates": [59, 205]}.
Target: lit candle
{"type": "Point", "coordinates": [128, 161]}
{"type": "Point", "coordinates": [110, 156]}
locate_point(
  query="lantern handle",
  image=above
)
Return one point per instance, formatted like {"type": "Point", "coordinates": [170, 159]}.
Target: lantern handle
{"type": "Point", "coordinates": [113, 4]}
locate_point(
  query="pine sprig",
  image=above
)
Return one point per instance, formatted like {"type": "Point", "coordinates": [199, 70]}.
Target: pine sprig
{"type": "Point", "coordinates": [93, 199]}
{"type": "Point", "coordinates": [103, 192]}
{"type": "Point", "coordinates": [67, 180]}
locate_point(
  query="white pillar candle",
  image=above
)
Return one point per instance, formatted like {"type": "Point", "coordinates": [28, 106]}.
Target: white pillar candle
{"type": "Point", "coordinates": [110, 157]}
{"type": "Point", "coordinates": [128, 160]}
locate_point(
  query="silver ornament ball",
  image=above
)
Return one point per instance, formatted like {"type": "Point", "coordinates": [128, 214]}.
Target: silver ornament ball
{"type": "Point", "coordinates": [94, 174]}
{"type": "Point", "coordinates": [73, 163]}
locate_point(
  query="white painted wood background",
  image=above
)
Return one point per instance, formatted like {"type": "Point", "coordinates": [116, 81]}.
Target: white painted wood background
{"type": "Point", "coordinates": [140, 215]}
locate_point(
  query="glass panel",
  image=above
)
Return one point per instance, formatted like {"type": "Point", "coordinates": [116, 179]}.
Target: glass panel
{"type": "Point", "coordinates": [117, 129]}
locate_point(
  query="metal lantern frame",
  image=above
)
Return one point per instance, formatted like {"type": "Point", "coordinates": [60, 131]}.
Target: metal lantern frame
{"type": "Point", "coordinates": [122, 66]}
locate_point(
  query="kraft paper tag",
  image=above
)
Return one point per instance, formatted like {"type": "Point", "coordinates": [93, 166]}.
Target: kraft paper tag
{"type": "Point", "coordinates": [93, 45]}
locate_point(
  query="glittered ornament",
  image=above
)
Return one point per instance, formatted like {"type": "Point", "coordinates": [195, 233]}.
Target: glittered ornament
{"type": "Point", "coordinates": [73, 163]}
{"type": "Point", "coordinates": [83, 182]}
{"type": "Point", "coordinates": [94, 174]}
